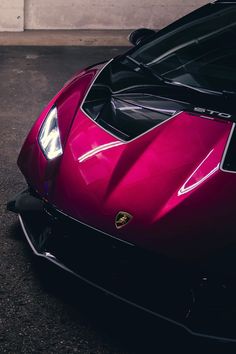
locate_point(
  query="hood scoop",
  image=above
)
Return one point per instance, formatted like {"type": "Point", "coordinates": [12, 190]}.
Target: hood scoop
{"type": "Point", "coordinates": [127, 103]}
{"type": "Point", "coordinates": [129, 116]}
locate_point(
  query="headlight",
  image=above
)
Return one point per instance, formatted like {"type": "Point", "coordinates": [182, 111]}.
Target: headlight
{"type": "Point", "coordinates": [49, 136]}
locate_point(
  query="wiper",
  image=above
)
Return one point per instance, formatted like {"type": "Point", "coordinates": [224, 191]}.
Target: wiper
{"type": "Point", "coordinates": [227, 93]}
{"type": "Point", "coordinates": [224, 93]}
{"type": "Point", "coordinates": [196, 89]}
{"type": "Point", "coordinates": [146, 68]}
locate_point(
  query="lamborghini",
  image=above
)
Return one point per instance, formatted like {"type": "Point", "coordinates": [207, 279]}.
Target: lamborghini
{"type": "Point", "coordinates": [131, 174]}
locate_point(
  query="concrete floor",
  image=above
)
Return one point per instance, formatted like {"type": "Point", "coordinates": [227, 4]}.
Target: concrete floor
{"type": "Point", "coordinates": [42, 310]}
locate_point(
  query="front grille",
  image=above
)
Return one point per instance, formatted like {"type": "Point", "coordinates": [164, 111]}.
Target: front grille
{"type": "Point", "coordinates": [125, 270]}
{"type": "Point", "coordinates": [147, 280]}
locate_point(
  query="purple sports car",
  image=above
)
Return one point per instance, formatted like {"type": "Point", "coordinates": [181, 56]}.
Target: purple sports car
{"type": "Point", "coordinates": [131, 174]}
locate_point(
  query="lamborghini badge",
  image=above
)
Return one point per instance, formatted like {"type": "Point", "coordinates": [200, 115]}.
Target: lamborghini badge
{"type": "Point", "coordinates": [122, 219]}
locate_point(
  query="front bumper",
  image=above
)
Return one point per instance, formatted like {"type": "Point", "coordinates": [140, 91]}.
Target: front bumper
{"type": "Point", "coordinates": [170, 291]}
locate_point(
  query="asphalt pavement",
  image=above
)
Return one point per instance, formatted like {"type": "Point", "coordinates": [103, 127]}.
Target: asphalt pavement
{"type": "Point", "coordinates": [43, 310]}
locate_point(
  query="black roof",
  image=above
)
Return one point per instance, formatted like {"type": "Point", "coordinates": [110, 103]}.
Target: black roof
{"type": "Point", "coordinates": [226, 1]}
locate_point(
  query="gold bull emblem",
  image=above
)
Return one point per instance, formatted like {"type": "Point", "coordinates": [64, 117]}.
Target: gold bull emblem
{"type": "Point", "coordinates": [122, 219]}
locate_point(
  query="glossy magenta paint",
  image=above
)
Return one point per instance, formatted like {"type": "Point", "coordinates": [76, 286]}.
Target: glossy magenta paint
{"type": "Point", "coordinates": [169, 179]}
{"type": "Point", "coordinates": [39, 172]}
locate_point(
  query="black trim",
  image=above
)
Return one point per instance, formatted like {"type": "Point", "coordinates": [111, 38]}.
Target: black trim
{"type": "Point", "coordinates": [229, 163]}
{"type": "Point", "coordinates": [159, 286]}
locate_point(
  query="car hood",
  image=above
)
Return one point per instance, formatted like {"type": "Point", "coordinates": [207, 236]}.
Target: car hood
{"type": "Point", "coordinates": [168, 179]}
{"type": "Point", "coordinates": [167, 176]}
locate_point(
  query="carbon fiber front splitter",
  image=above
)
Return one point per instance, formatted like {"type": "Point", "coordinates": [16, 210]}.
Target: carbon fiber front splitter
{"type": "Point", "coordinates": [150, 283]}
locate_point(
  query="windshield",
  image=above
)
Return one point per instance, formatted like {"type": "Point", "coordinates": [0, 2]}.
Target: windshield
{"type": "Point", "coordinates": [199, 52]}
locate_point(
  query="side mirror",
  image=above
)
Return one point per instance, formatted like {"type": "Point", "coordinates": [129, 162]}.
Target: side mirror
{"type": "Point", "coordinates": [139, 35]}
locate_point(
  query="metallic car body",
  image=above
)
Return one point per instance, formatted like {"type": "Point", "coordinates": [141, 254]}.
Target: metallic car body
{"type": "Point", "coordinates": [166, 188]}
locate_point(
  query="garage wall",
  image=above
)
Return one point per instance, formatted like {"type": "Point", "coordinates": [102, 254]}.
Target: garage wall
{"type": "Point", "coordinates": [11, 15]}
{"type": "Point", "coordinates": [15, 15]}
{"type": "Point", "coordinates": [104, 14]}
